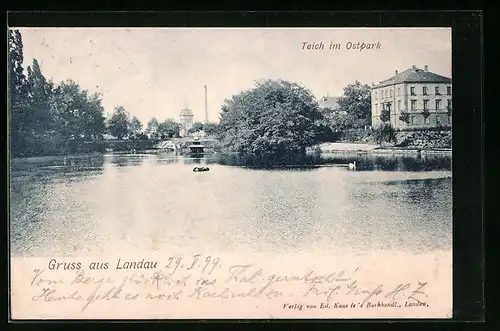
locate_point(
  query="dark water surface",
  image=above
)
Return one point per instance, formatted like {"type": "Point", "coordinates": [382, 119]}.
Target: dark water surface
{"type": "Point", "coordinates": [91, 204]}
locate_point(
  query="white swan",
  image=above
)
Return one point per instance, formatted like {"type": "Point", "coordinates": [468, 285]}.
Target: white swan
{"type": "Point", "coordinates": [352, 166]}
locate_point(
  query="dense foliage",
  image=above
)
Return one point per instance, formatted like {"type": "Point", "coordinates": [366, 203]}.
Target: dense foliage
{"type": "Point", "coordinates": [52, 119]}
{"type": "Point", "coordinates": [353, 113]}
{"type": "Point", "coordinates": [45, 118]}
{"type": "Point", "coordinates": [426, 113]}
{"type": "Point", "coordinates": [404, 117]}
{"type": "Point", "coordinates": [197, 126]}
{"type": "Point", "coordinates": [384, 133]}
{"type": "Point", "coordinates": [356, 104]}
{"type": "Point", "coordinates": [385, 114]}
{"type": "Point", "coordinates": [274, 119]}
{"type": "Point", "coordinates": [168, 129]}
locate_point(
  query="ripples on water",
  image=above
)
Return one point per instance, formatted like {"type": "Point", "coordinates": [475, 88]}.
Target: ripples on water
{"type": "Point", "coordinates": [94, 204]}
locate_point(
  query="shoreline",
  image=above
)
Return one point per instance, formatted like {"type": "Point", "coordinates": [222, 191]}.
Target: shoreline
{"type": "Point", "coordinates": [363, 148]}
{"type": "Point", "coordinates": [325, 151]}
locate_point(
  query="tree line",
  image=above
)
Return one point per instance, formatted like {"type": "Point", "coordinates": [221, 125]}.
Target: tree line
{"type": "Point", "coordinates": [48, 118]}
{"type": "Point", "coordinates": [120, 127]}
{"type": "Point", "coordinates": [52, 119]}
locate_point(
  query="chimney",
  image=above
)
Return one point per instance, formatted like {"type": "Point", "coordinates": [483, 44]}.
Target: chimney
{"type": "Point", "coordinates": [426, 68]}
{"type": "Point", "coordinates": [396, 72]}
{"type": "Point", "coordinates": [206, 106]}
{"type": "Point", "coordinates": [413, 67]}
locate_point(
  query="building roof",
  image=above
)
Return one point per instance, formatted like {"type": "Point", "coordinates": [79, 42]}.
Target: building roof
{"type": "Point", "coordinates": [186, 112]}
{"type": "Point", "coordinates": [328, 102]}
{"type": "Point", "coordinates": [414, 75]}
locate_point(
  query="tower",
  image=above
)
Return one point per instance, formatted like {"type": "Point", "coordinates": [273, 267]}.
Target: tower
{"type": "Point", "coordinates": [206, 106]}
{"type": "Point", "coordinates": [186, 119]}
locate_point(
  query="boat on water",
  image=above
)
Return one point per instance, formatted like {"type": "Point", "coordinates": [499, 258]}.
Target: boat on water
{"type": "Point", "coordinates": [201, 169]}
{"type": "Point", "coordinates": [196, 147]}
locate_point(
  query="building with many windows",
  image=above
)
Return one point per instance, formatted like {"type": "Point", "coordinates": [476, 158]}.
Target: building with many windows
{"type": "Point", "coordinates": [414, 98]}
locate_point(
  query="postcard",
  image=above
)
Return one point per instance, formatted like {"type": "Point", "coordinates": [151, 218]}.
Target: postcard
{"type": "Point", "coordinates": [230, 173]}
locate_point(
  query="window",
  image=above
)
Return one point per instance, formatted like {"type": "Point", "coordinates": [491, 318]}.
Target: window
{"type": "Point", "coordinates": [437, 90]}
{"type": "Point", "coordinates": [438, 120]}
{"type": "Point", "coordinates": [426, 120]}
{"type": "Point", "coordinates": [413, 104]}
{"type": "Point", "coordinates": [438, 104]}
{"type": "Point", "coordinates": [399, 90]}
{"type": "Point", "coordinates": [412, 90]}
{"type": "Point", "coordinates": [375, 95]}
{"type": "Point", "coordinates": [399, 104]}
{"type": "Point", "coordinates": [448, 90]}
{"type": "Point", "coordinates": [390, 93]}
{"type": "Point", "coordinates": [449, 103]}
{"type": "Point", "coordinates": [413, 120]}
{"type": "Point", "coordinates": [424, 90]}
{"type": "Point", "coordinates": [386, 93]}
{"type": "Point", "coordinates": [376, 108]}
{"type": "Point", "coordinates": [426, 104]}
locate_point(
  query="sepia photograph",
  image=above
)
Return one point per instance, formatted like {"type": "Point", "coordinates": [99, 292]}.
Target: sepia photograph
{"type": "Point", "coordinates": [230, 172]}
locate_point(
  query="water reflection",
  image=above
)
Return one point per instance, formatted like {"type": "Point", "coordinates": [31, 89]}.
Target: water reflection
{"type": "Point", "coordinates": [370, 162]}
{"type": "Point", "coordinates": [296, 162]}
{"type": "Point", "coordinates": [127, 160]}
{"type": "Point", "coordinates": [43, 168]}
{"type": "Point", "coordinates": [88, 204]}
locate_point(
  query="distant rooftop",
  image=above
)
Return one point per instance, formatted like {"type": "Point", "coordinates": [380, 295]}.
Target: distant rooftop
{"type": "Point", "coordinates": [414, 75]}
{"type": "Point", "coordinates": [329, 102]}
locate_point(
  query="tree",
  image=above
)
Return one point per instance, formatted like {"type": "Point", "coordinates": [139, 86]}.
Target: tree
{"type": "Point", "coordinates": [356, 102]}
{"type": "Point", "coordinates": [37, 117]}
{"type": "Point", "coordinates": [95, 125]}
{"type": "Point", "coordinates": [118, 123]}
{"type": "Point", "coordinates": [77, 117]}
{"type": "Point", "coordinates": [385, 114]}
{"type": "Point", "coordinates": [18, 83]}
{"type": "Point", "coordinates": [152, 128]}
{"type": "Point", "coordinates": [385, 133]}
{"type": "Point", "coordinates": [274, 119]}
{"type": "Point", "coordinates": [336, 120]}
{"type": "Point", "coordinates": [18, 94]}
{"type": "Point", "coordinates": [135, 127]}
{"type": "Point", "coordinates": [47, 119]}
{"type": "Point", "coordinates": [197, 126]}
{"type": "Point", "coordinates": [211, 128]}
{"type": "Point", "coordinates": [426, 113]}
{"type": "Point", "coordinates": [404, 117]}
{"type": "Point", "coordinates": [168, 129]}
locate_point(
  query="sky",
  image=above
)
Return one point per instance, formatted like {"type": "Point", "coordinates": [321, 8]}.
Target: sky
{"type": "Point", "coordinates": [155, 72]}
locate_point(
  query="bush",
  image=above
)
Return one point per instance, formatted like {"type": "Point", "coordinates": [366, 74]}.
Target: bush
{"type": "Point", "coordinates": [384, 133]}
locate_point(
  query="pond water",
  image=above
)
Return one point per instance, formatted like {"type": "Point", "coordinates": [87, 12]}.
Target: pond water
{"type": "Point", "coordinates": [68, 206]}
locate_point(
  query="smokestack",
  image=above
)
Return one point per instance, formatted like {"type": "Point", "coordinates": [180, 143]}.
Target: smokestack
{"type": "Point", "coordinates": [413, 67]}
{"type": "Point", "coordinates": [206, 106]}
{"type": "Point", "coordinates": [426, 68]}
